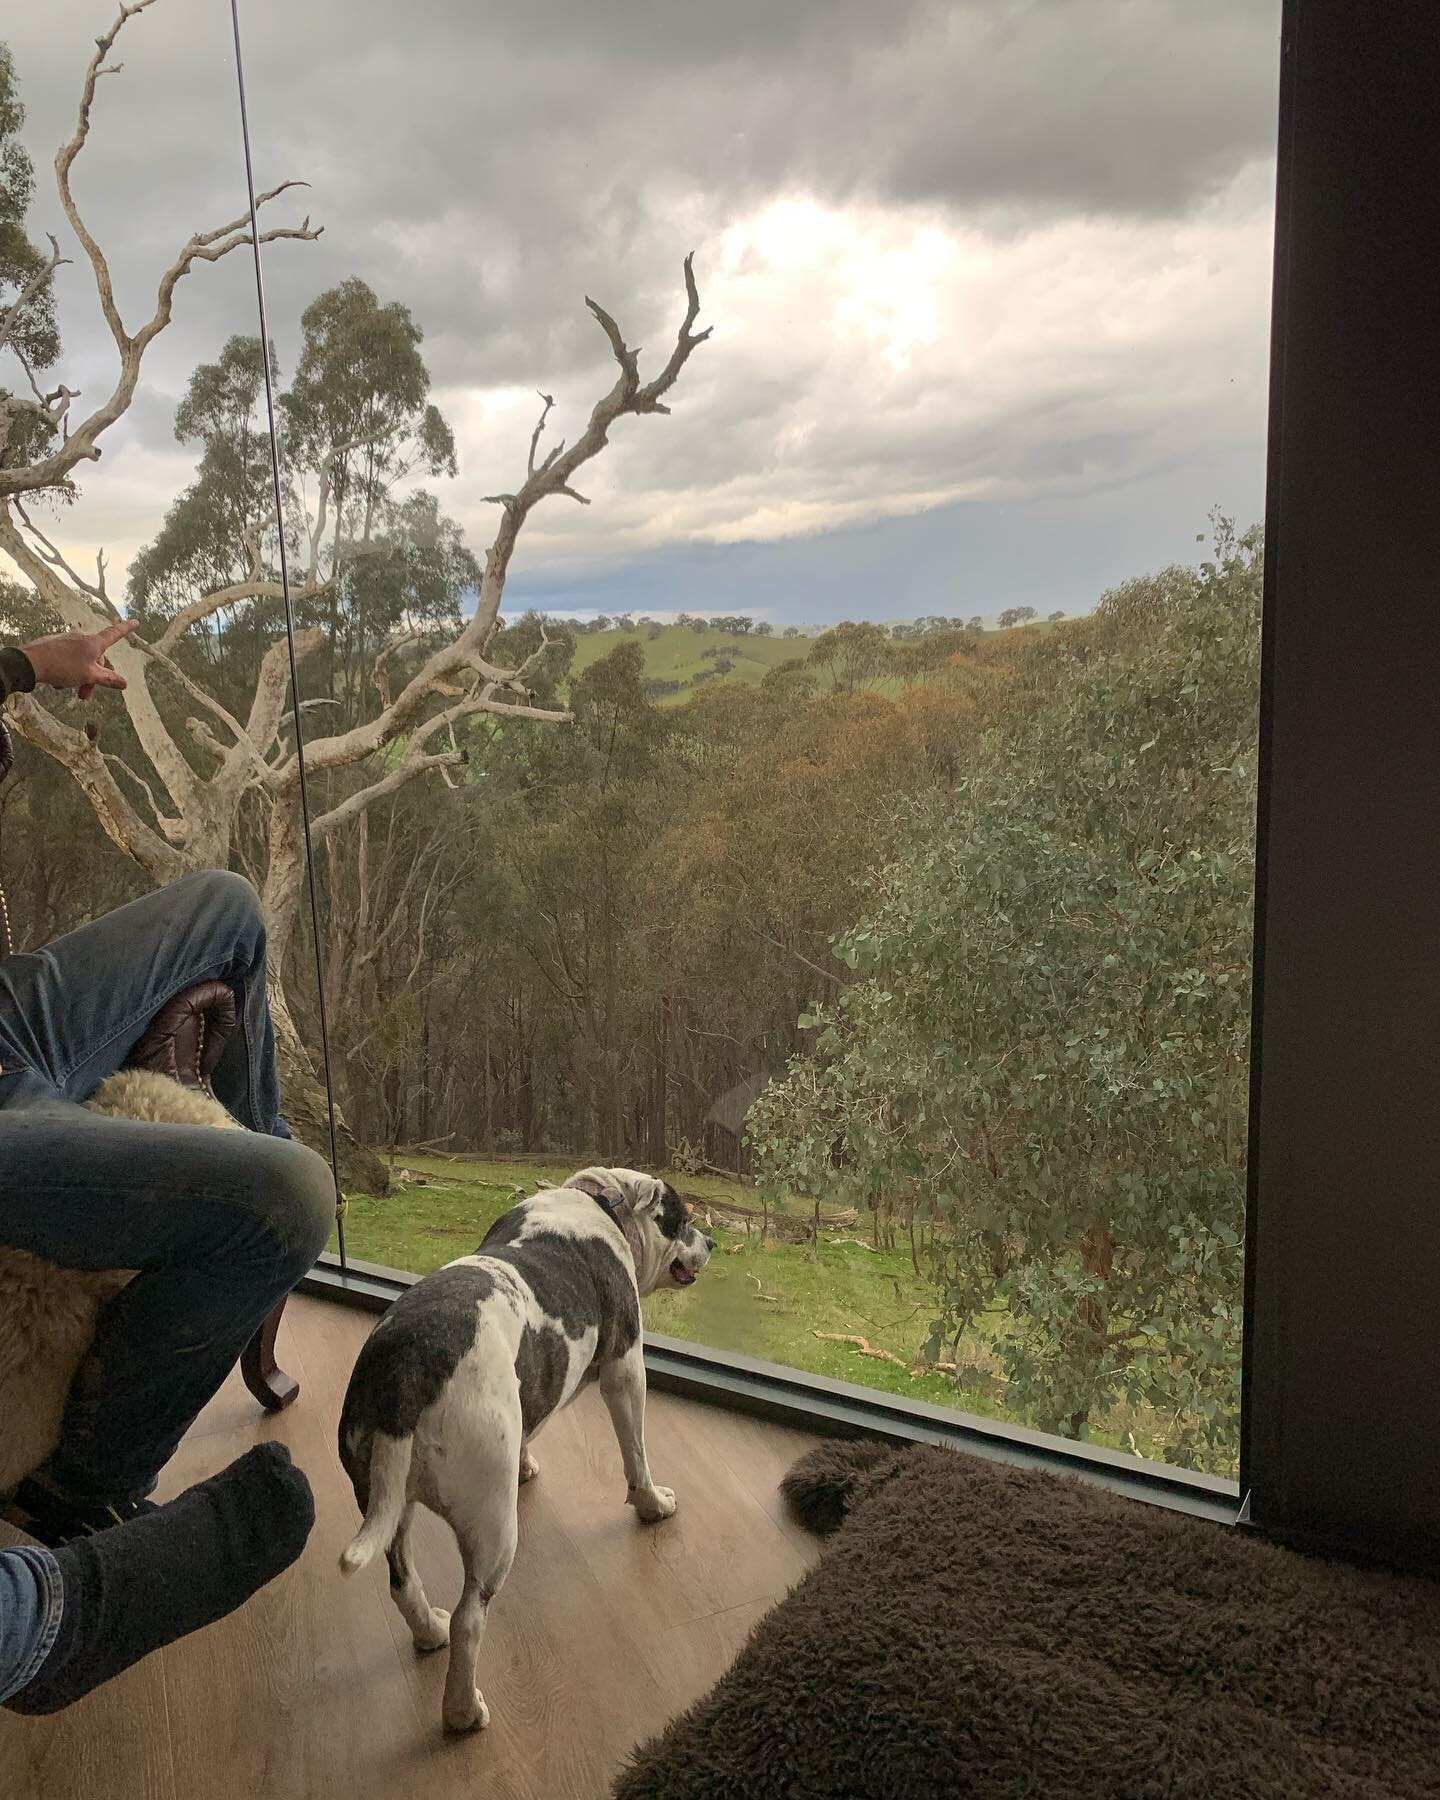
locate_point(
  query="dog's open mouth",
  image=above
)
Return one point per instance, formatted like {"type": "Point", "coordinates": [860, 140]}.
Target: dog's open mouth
{"type": "Point", "coordinates": [680, 1274]}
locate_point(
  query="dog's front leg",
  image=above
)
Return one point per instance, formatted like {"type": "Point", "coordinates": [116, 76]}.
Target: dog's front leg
{"type": "Point", "coordinates": [622, 1382]}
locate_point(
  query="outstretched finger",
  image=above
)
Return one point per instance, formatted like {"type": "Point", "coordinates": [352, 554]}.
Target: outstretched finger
{"type": "Point", "coordinates": [112, 634]}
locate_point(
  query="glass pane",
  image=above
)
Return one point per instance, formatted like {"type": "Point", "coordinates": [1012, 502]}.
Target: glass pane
{"type": "Point", "coordinates": [884, 879]}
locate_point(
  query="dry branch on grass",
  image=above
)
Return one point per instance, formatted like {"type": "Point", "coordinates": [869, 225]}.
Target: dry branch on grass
{"type": "Point", "coordinates": [865, 1348]}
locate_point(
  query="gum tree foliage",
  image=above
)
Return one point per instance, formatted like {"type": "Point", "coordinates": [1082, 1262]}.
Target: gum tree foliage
{"type": "Point", "coordinates": [852, 654]}
{"type": "Point", "coordinates": [1045, 1046]}
{"type": "Point", "coordinates": [28, 329]}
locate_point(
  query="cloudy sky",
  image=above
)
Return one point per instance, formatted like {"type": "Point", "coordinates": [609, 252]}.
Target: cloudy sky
{"type": "Point", "coordinates": [989, 281]}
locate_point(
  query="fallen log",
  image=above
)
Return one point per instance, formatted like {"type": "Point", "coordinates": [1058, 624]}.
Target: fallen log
{"type": "Point", "coordinates": [865, 1348]}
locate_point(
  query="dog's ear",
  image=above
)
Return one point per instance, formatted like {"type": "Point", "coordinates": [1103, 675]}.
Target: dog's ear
{"type": "Point", "coordinates": [646, 1196]}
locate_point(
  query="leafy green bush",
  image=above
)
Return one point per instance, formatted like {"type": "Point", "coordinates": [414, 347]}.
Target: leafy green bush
{"type": "Point", "coordinates": [1044, 1055]}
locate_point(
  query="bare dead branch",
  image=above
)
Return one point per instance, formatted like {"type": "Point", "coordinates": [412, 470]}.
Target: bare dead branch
{"type": "Point", "coordinates": [238, 591]}
{"type": "Point", "coordinates": [379, 673]}
{"type": "Point", "coordinates": [65, 161]}
{"type": "Point", "coordinates": [418, 719]}
{"type": "Point", "coordinates": [86, 763]}
{"type": "Point", "coordinates": [119, 762]}
{"type": "Point", "coordinates": [552, 476]}
{"type": "Point", "coordinates": [271, 690]}
{"type": "Point", "coordinates": [409, 770]}
{"type": "Point", "coordinates": [546, 642]}
{"type": "Point", "coordinates": [80, 608]}
{"type": "Point", "coordinates": [42, 403]}
{"type": "Point", "coordinates": [647, 400]}
{"type": "Point", "coordinates": [82, 443]}
{"type": "Point", "coordinates": [506, 710]}
{"type": "Point", "coordinates": [549, 400]}
{"type": "Point", "coordinates": [28, 295]}
{"type": "Point", "coordinates": [52, 409]}
{"type": "Point", "coordinates": [629, 360]}
{"type": "Point", "coordinates": [205, 737]}
{"type": "Point", "coordinates": [240, 736]}
{"type": "Point", "coordinates": [862, 1344]}
{"type": "Point", "coordinates": [50, 554]}
{"type": "Point", "coordinates": [314, 705]}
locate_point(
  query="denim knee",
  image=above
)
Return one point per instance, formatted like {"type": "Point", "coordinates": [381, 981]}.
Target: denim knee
{"type": "Point", "coordinates": [295, 1196]}
{"type": "Point", "coordinates": [214, 892]}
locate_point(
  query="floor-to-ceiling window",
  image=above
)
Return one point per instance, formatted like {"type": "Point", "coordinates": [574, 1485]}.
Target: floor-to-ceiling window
{"type": "Point", "coordinates": [837, 790]}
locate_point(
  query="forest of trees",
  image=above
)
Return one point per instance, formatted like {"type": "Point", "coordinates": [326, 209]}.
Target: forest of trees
{"type": "Point", "coordinates": [969, 911]}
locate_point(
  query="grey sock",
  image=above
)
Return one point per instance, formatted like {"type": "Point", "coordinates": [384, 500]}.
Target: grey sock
{"type": "Point", "coordinates": [143, 1584]}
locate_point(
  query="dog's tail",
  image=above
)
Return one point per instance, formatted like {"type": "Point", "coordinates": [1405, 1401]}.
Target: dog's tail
{"type": "Point", "coordinates": [389, 1475]}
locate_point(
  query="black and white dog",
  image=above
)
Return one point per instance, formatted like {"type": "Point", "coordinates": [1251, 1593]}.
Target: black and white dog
{"type": "Point", "coordinates": [463, 1370]}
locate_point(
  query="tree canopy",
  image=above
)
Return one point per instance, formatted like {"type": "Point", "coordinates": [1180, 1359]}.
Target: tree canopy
{"type": "Point", "coordinates": [1045, 1046]}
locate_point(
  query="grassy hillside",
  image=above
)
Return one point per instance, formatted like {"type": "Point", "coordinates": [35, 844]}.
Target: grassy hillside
{"type": "Point", "coordinates": [677, 653]}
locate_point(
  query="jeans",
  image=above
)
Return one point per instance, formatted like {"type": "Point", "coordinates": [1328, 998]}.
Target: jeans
{"type": "Point", "coordinates": [31, 1601]}
{"type": "Point", "coordinates": [220, 1226]}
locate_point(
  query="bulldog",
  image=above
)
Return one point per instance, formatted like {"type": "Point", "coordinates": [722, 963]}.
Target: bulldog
{"type": "Point", "coordinates": [452, 1386]}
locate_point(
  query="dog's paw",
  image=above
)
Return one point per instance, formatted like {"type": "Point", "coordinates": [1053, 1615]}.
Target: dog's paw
{"type": "Point", "coordinates": [653, 1503]}
{"type": "Point", "coordinates": [529, 1468]}
{"type": "Point", "coordinates": [437, 1634]}
{"type": "Point", "coordinates": [474, 1717]}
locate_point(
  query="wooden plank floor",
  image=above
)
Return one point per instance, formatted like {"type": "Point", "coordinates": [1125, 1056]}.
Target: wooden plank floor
{"type": "Point", "coordinates": [605, 1628]}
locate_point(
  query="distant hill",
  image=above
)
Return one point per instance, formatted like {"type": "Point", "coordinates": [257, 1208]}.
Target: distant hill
{"type": "Point", "coordinates": [680, 654]}
{"type": "Point", "coordinates": [680, 660]}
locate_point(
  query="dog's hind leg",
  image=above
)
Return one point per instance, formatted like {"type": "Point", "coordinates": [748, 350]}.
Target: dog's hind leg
{"type": "Point", "coordinates": [529, 1468]}
{"type": "Point", "coordinates": [487, 1548]}
{"type": "Point", "coordinates": [429, 1625]}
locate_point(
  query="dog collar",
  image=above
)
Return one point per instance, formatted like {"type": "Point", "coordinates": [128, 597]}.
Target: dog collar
{"type": "Point", "coordinates": [587, 1184]}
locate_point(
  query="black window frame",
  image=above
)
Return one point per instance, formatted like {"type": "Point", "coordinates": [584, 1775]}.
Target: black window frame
{"type": "Point", "coordinates": [1341, 1383]}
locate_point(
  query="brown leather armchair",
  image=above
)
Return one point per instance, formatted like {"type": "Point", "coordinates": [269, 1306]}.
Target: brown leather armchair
{"type": "Point", "coordinates": [184, 1041]}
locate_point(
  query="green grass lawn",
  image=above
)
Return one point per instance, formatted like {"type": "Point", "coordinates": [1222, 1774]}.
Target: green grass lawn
{"type": "Point", "coordinates": [766, 1300]}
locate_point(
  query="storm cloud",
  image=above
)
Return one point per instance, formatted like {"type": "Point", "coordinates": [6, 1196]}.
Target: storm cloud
{"type": "Point", "coordinates": [954, 254]}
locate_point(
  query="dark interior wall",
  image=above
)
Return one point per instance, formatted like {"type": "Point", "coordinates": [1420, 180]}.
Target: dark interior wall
{"type": "Point", "coordinates": [1342, 1401]}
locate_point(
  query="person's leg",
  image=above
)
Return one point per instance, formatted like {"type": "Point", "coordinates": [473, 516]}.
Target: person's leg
{"type": "Point", "coordinates": [72, 1619]}
{"type": "Point", "coordinates": [30, 1602]}
{"type": "Point", "coordinates": [71, 1013]}
{"type": "Point", "coordinates": [220, 1225]}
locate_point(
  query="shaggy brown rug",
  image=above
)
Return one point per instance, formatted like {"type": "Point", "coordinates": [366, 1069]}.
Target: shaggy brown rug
{"type": "Point", "coordinates": [981, 1630]}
